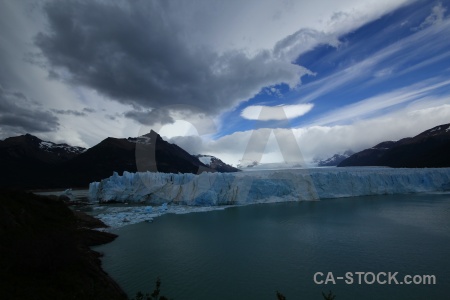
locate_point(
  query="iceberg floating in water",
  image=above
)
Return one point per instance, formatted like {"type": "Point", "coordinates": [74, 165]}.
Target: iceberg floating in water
{"type": "Point", "coordinates": [211, 189]}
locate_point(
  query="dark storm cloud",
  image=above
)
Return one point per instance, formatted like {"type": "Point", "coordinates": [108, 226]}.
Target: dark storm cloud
{"type": "Point", "coordinates": [68, 112]}
{"type": "Point", "coordinates": [137, 55]}
{"type": "Point", "coordinates": [111, 117]}
{"type": "Point", "coordinates": [150, 117]}
{"type": "Point", "coordinates": [72, 112]}
{"type": "Point", "coordinates": [18, 115]}
{"type": "Point", "coordinates": [88, 110]}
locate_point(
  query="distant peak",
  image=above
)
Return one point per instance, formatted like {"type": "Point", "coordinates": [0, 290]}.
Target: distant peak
{"type": "Point", "coordinates": [444, 127]}
{"type": "Point", "coordinates": [30, 136]}
{"type": "Point", "coordinates": [148, 138]}
{"type": "Point", "coordinates": [151, 134]}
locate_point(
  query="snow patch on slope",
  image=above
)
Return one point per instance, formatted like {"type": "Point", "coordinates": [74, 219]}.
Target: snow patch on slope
{"type": "Point", "coordinates": [52, 147]}
{"type": "Point", "coordinates": [206, 160]}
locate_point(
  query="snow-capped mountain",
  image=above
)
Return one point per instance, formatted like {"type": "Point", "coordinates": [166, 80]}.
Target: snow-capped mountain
{"type": "Point", "coordinates": [119, 155]}
{"type": "Point", "coordinates": [27, 146]}
{"type": "Point", "coordinates": [29, 162]}
{"type": "Point", "coordinates": [215, 163]}
{"type": "Point", "coordinates": [427, 149]}
{"type": "Point", "coordinates": [334, 160]}
{"type": "Point", "coordinates": [58, 148]}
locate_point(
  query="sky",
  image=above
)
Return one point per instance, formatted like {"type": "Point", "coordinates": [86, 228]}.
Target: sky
{"type": "Point", "coordinates": [266, 80]}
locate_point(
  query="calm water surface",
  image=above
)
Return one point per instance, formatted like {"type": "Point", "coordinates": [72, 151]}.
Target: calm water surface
{"type": "Point", "coordinates": [251, 252]}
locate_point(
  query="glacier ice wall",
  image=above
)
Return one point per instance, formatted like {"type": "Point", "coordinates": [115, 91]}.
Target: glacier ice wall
{"type": "Point", "coordinates": [209, 189]}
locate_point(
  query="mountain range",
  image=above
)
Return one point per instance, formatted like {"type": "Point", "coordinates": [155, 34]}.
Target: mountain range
{"type": "Point", "coordinates": [334, 160]}
{"type": "Point", "coordinates": [428, 149]}
{"type": "Point", "coordinates": [28, 162]}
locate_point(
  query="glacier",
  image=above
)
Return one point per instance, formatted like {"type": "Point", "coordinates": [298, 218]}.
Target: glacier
{"type": "Point", "coordinates": [216, 189]}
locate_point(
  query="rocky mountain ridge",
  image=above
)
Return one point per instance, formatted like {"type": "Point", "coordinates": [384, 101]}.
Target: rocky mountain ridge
{"type": "Point", "coordinates": [29, 162]}
{"type": "Point", "coordinates": [428, 149]}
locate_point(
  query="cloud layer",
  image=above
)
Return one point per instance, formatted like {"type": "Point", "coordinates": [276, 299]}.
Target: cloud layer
{"type": "Point", "coordinates": [323, 141]}
{"type": "Point", "coordinates": [149, 54]}
{"type": "Point", "coordinates": [18, 115]}
{"type": "Point", "coordinates": [109, 69]}
{"type": "Point", "coordinates": [281, 113]}
{"type": "Point", "coordinates": [137, 56]}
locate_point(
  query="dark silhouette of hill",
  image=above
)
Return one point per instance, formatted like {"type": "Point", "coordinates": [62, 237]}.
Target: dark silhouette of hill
{"type": "Point", "coordinates": [44, 251]}
{"type": "Point", "coordinates": [147, 153]}
{"type": "Point", "coordinates": [429, 149]}
{"type": "Point", "coordinates": [28, 162]}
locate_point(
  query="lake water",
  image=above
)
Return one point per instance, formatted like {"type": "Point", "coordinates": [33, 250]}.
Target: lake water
{"type": "Point", "coordinates": [250, 252]}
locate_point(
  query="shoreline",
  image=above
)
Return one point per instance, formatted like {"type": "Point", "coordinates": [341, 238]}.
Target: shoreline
{"type": "Point", "coordinates": [44, 190]}
{"type": "Point", "coordinates": [46, 253]}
